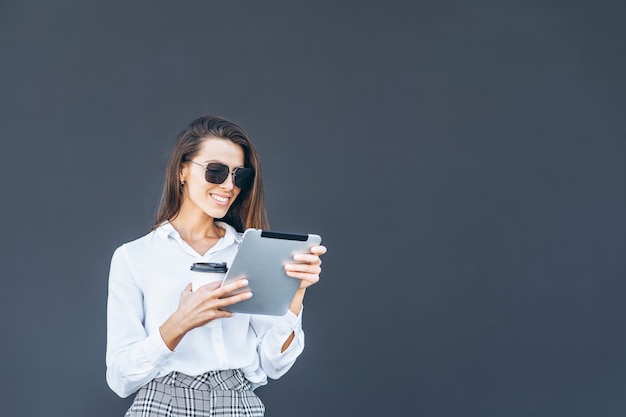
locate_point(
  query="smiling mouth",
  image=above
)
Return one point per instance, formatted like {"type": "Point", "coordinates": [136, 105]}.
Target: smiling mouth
{"type": "Point", "coordinates": [220, 198]}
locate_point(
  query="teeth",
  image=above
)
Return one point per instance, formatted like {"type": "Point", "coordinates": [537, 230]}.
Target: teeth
{"type": "Point", "coordinates": [220, 199]}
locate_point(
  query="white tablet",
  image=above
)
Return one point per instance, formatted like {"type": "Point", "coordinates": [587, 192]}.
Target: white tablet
{"type": "Point", "coordinates": [260, 259]}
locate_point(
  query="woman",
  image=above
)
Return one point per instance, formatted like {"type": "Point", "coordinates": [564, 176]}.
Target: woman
{"type": "Point", "coordinates": [156, 339]}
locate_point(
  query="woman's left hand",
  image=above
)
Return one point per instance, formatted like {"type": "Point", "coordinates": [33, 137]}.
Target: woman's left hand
{"type": "Point", "coordinates": [308, 268]}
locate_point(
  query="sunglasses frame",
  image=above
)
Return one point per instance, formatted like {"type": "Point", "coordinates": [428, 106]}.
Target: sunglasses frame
{"type": "Point", "coordinates": [227, 168]}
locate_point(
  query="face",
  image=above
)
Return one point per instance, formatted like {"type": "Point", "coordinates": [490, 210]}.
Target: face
{"type": "Point", "coordinates": [198, 194]}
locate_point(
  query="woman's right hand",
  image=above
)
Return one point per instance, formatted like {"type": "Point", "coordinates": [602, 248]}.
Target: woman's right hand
{"type": "Point", "coordinates": [199, 307]}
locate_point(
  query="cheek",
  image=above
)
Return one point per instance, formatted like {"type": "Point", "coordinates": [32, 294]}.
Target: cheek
{"type": "Point", "coordinates": [196, 191]}
{"type": "Point", "coordinates": [196, 188]}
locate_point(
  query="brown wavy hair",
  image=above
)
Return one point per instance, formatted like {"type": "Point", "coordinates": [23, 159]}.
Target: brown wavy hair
{"type": "Point", "coordinates": [248, 210]}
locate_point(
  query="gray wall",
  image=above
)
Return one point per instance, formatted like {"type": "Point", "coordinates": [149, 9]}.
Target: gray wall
{"type": "Point", "coordinates": [463, 161]}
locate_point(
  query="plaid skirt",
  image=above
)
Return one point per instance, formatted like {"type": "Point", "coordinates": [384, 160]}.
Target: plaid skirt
{"type": "Point", "coordinates": [215, 393]}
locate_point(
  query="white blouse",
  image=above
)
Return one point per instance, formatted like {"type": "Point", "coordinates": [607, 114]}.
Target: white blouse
{"type": "Point", "coordinates": [146, 279]}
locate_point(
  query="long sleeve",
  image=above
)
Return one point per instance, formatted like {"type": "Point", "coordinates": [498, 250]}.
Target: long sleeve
{"type": "Point", "coordinates": [133, 357]}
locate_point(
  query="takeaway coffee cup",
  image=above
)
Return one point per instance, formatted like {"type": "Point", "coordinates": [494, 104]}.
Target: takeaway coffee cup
{"type": "Point", "coordinates": [203, 273]}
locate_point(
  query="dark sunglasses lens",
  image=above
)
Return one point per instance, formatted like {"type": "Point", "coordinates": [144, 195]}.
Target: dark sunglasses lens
{"type": "Point", "coordinates": [216, 173]}
{"type": "Point", "coordinates": [243, 177]}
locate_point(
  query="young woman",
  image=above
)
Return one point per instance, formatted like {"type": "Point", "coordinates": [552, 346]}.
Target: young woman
{"type": "Point", "coordinates": [157, 343]}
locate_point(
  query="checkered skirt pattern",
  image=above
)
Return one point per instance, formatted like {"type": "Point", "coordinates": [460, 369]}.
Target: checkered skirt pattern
{"type": "Point", "coordinates": [215, 393]}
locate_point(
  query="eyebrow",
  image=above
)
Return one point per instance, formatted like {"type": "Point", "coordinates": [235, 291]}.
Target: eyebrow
{"type": "Point", "coordinates": [222, 162]}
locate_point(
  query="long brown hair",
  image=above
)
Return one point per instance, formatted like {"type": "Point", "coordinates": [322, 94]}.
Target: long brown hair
{"type": "Point", "coordinates": [248, 210]}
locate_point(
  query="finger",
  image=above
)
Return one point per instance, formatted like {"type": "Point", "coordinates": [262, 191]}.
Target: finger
{"type": "Point", "coordinates": [307, 268]}
{"type": "Point", "coordinates": [233, 299]}
{"type": "Point", "coordinates": [235, 285]}
{"type": "Point", "coordinates": [306, 278]}
{"type": "Point", "coordinates": [318, 250]}
{"type": "Point", "coordinates": [223, 314]}
{"type": "Point", "coordinates": [303, 275]}
{"type": "Point", "coordinates": [231, 286]}
{"type": "Point", "coordinates": [307, 258]}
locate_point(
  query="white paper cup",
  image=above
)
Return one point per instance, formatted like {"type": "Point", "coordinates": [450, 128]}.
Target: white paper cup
{"type": "Point", "coordinates": [203, 273]}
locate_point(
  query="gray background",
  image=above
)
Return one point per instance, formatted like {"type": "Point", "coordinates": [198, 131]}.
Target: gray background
{"type": "Point", "coordinates": [463, 161]}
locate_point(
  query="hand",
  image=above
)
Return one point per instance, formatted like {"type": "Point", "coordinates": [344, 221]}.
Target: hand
{"type": "Point", "coordinates": [207, 302]}
{"type": "Point", "coordinates": [308, 268]}
{"type": "Point", "coordinates": [200, 307]}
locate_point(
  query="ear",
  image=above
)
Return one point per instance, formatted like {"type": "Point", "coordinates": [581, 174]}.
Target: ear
{"type": "Point", "coordinates": [184, 172]}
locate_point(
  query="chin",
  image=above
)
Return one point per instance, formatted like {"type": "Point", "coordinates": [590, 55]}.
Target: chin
{"type": "Point", "coordinates": [216, 214]}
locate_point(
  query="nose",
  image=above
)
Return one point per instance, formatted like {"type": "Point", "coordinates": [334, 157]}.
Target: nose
{"type": "Point", "coordinates": [229, 182]}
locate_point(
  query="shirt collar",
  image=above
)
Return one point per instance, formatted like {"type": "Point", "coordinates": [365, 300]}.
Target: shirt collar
{"type": "Point", "coordinates": [231, 236]}
{"type": "Point", "coordinates": [165, 230]}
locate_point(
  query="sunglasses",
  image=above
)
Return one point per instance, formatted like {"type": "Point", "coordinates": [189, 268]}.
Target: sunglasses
{"type": "Point", "coordinates": [216, 173]}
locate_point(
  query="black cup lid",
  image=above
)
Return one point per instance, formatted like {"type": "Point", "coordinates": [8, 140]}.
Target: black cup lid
{"type": "Point", "coordinates": [209, 267]}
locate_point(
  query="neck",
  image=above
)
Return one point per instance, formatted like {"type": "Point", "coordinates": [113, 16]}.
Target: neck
{"type": "Point", "coordinates": [196, 226]}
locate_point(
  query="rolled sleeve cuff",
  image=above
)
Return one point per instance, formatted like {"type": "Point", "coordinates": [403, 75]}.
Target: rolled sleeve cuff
{"type": "Point", "coordinates": [275, 362]}
{"type": "Point", "coordinates": [138, 366]}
